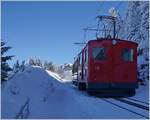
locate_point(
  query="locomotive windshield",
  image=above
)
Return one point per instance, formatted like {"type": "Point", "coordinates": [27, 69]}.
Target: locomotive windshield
{"type": "Point", "coordinates": [99, 53]}
{"type": "Point", "coordinates": [127, 54]}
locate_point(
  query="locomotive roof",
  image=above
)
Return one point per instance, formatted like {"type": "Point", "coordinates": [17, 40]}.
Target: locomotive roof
{"type": "Point", "coordinates": [105, 39]}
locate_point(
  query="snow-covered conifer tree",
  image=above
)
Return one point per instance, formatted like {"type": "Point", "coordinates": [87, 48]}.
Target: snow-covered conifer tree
{"type": "Point", "coordinates": [16, 67]}
{"type": "Point", "coordinates": [5, 68]}
{"type": "Point", "coordinates": [31, 61]}
{"type": "Point", "coordinates": [22, 66]}
{"type": "Point", "coordinates": [50, 66]}
{"type": "Point", "coordinates": [38, 62]}
{"type": "Point", "coordinates": [45, 64]}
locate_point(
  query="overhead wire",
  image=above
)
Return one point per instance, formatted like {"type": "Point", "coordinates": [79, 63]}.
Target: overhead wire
{"type": "Point", "coordinates": [93, 19]}
{"type": "Point", "coordinates": [119, 16]}
{"type": "Point", "coordinates": [94, 26]}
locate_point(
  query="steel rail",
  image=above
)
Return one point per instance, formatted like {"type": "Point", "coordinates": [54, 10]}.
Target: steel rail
{"type": "Point", "coordinates": [125, 108]}
{"type": "Point", "coordinates": [132, 103]}
{"type": "Point", "coordinates": [137, 100]}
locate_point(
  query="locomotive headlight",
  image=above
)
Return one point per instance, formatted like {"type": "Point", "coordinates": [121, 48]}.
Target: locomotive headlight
{"type": "Point", "coordinates": [114, 42]}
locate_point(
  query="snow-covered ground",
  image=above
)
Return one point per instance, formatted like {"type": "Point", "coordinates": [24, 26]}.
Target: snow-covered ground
{"type": "Point", "coordinates": [142, 93]}
{"type": "Point", "coordinates": [49, 96]}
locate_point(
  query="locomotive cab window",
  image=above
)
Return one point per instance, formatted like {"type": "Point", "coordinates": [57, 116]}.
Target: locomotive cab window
{"type": "Point", "coordinates": [127, 54]}
{"type": "Point", "coordinates": [99, 53]}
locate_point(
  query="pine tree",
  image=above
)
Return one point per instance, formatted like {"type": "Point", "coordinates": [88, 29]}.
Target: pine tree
{"type": "Point", "coordinates": [16, 67]}
{"type": "Point", "coordinates": [35, 62]}
{"type": "Point", "coordinates": [132, 21]}
{"type": "Point", "coordinates": [50, 66]}
{"type": "Point", "coordinates": [45, 65]}
{"type": "Point", "coordinates": [60, 71]}
{"type": "Point", "coordinates": [38, 62]}
{"type": "Point", "coordinates": [143, 68]}
{"type": "Point", "coordinates": [5, 68]}
{"type": "Point", "coordinates": [31, 61]}
{"type": "Point", "coordinates": [22, 66]}
{"type": "Point", "coordinates": [119, 26]}
{"type": "Point", "coordinates": [144, 28]}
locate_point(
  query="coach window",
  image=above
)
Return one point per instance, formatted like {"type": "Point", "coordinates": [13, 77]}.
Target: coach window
{"type": "Point", "coordinates": [85, 56]}
{"type": "Point", "coordinates": [127, 54]}
{"type": "Point", "coordinates": [99, 53]}
{"type": "Point", "coordinates": [80, 59]}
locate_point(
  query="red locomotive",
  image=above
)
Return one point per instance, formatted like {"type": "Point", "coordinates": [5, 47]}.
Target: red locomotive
{"type": "Point", "coordinates": [107, 64]}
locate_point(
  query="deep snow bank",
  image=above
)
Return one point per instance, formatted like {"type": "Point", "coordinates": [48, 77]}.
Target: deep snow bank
{"type": "Point", "coordinates": [34, 83]}
{"type": "Point", "coordinates": [48, 97]}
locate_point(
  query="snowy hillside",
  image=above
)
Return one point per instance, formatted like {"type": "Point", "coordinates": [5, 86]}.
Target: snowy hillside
{"type": "Point", "coordinates": [36, 93]}
{"type": "Point", "coordinates": [33, 83]}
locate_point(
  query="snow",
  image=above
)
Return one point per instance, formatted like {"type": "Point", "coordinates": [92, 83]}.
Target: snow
{"type": "Point", "coordinates": [141, 60]}
{"type": "Point", "coordinates": [54, 75]}
{"type": "Point", "coordinates": [51, 97]}
{"type": "Point", "coordinates": [67, 75]}
{"type": "Point", "coordinates": [32, 83]}
{"type": "Point", "coordinates": [142, 93]}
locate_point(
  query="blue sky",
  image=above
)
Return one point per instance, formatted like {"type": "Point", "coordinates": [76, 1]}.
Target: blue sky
{"type": "Point", "coordinates": [47, 30]}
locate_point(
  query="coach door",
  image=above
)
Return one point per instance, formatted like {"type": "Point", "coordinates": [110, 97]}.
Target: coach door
{"type": "Point", "coordinates": [85, 64]}
{"type": "Point", "coordinates": [101, 68]}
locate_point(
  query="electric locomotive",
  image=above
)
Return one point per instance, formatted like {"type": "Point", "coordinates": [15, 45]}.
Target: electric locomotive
{"type": "Point", "coordinates": [106, 64]}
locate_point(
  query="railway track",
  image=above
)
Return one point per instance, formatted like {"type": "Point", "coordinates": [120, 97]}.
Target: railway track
{"type": "Point", "coordinates": [133, 103]}
{"type": "Point", "coordinates": [132, 99]}
{"type": "Point", "coordinates": [134, 108]}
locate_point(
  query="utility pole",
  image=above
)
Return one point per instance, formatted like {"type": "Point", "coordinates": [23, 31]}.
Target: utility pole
{"type": "Point", "coordinates": [110, 18]}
